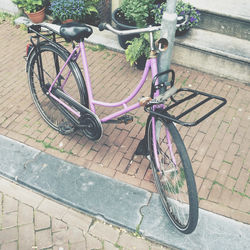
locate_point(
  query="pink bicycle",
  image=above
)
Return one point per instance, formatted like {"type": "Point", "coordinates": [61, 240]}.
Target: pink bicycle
{"type": "Point", "coordinates": [66, 102]}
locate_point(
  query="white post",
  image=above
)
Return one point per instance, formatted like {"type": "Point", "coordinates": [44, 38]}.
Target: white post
{"type": "Point", "coordinates": [169, 21]}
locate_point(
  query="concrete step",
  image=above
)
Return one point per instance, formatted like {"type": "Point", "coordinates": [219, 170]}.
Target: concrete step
{"type": "Point", "coordinates": [227, 17]}
{"type": "Point", "coordinates": [214, 53]}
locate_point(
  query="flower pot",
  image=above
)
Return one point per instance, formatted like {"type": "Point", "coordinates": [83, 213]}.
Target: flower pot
{"type": "Point", "coordinates": [37, 17]}
{"type": "Point", "coordinates": [67, 21]}
{"type": "Point", "coordinates": [141, 62]}
{"type": "Point", "coordinates": [122, 24]}
{"type": "Point", "coordinates": [181, 33]}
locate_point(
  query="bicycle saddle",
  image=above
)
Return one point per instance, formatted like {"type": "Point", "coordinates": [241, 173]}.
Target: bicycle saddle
{"type": "Point", "coordinates": [75, 31]}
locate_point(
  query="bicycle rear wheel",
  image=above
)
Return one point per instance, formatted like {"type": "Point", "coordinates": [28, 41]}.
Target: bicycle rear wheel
{"type": "Point", "coordinates": [173, 174]}
{"type": "Point", "coordinates": [52, 60]}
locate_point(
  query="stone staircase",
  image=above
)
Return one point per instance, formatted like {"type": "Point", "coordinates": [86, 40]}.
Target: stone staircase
{"type": "Point", "coordinates": [221, 43]}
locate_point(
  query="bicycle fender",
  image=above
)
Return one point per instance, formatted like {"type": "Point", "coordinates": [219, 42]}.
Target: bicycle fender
{"type": "Point", "coordinates": [30, 53]}
{"type": "Point", "coordinates": [41, 44]}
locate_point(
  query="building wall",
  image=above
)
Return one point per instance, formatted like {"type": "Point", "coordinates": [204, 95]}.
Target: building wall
{"type": "Point", "coordinates": [8, 6]}
{"type": "Point", "coordinates": [115, 4]}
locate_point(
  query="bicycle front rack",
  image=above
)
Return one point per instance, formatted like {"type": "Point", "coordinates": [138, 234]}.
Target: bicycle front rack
{"type": "Point", "coordinates": [188, 107]}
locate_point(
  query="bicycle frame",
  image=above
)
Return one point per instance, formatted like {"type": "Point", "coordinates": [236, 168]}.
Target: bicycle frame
{"type": "Point", "coordinates": [80, 50]}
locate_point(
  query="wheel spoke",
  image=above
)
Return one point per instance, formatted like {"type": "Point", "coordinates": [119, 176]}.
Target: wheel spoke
{"type": "Point", "coordinates": [174, 177]}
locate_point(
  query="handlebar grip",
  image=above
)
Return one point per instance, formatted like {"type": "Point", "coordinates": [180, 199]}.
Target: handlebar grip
{"type": "Point", "coordinates": [102, 26]}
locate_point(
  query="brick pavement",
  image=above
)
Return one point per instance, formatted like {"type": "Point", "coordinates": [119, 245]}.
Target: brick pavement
{"type": "Point", "coordinates": [30, 221]}
{"type": "Point", "coordinates": [218, 147]}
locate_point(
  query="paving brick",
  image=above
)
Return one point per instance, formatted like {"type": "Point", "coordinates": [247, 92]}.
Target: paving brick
{"type": "Point", "coordinates": [131, 150]}
{"type": "Point", "coordinates": [19, 193]}
{"type": "Point", "coordinates": [205, 189]}
{"type": "Point", "coordinates": [60, 238]}
{"type": "Point", "coordinates": [236, 167]}
{"type": "Point", "coordinates": [100, 155]}
{"type": "Point", "coordinates": [77, 219]}
{"type": "Point", "coordinates": [52, 208]}
{"type": "Point", "coordinates": [132, 170]}
{"type": "Point", "coordinates": [8, 235]}
{"type": "Point", "coordinates": [213, 148]}
{"type": "Point", "coordinates": [79, 245]}
{"type": "Point", "coordinates": [93, 242]}
{"type": "Point", "coordinates": [204, 166]}
{"type": "Point", "coordinates": [223, 173]}
{"type": "Point", "coordinates": [25, 214]}
{"type": "Point", "coordinates": [143, 167]}
{"type": "Point", "coordinates": [242, 181]}
{"type": "Point", "coordinates": [128, 179]}
{"type": "Point", "coordinates": [225, 197]}
{"type": "Point", "coordinates": [240, 216]}
{"type": "Point", "coordinates": [215, 193]}
{"type": "Point", "coordinates": [58, 225]}
{"type": "Point", "coordinates": [26, 236]}
{"type": "Point", "coordinates": [132, 242]}
{"type": "Point", "coordinates": [109, 156]}
{"type": "Point", "coordinates": [10, 246]}
{"type": "Point", "coordinates": [123, 165]}
{"type": "Point", "coordinates": [218, 159]}
{"type": "Point", "coordinates": [44, 239]}
{"type": "Point", "coordinates": [245, 205]}
{"type": "Point", "coordinates": [247, 192]}
{"type": "Point", "coordinates": [9, 220]}
{"type": "Point", "coordinates": [211, 174]}
{"type": "Point", "coordinates": [75, 235]}
{"type": "Point", "coordinates": [116, 160]}
{"type": "Point", "coordinates": [235, 200]}
{"type": "Point", "coordinates": [9, 204]}
{"type": "Point", "coordinates": [99, 168]}
{"type": "Point", "coordinates": [149, 175]}
{"type": "Point", "coordinates": [215, 208]}
{"type": "Point", "coordinates": [148, 185]}
{"type": "Point", "coordinates": [105, 231]}
{"type": "Point", "coordinates": [230, 183]}
{"type": "Point", "coordinates": [231, 153]}
{"type": "Point", "coordinates": [197, 140]}
{"type": "Point", "coordinates": [201, 152]}
{"type": "Point", "coordinates": [41, 221]}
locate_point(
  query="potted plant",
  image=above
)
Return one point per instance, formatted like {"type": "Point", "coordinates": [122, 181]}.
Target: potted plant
{"type": "Point", "coordinates": [135, 53]}
{"type": "Point", "coordinates": [34, 9]}
{"type": "Point", "coordinates": [131, 15]}
{"type": "Point", "coordinates": [182, 9]}
{"type": "Point", "coordinates": [72, 10]}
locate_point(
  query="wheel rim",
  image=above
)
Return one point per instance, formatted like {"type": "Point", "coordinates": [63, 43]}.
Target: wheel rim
{"type": "Point", "coordinates": [48, 110]}
{"type": "Point", "coordinates": [170, 178]}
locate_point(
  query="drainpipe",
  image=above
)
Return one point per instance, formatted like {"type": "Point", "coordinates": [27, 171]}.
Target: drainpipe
{"type": "Point", "coordinates": [168, 23]}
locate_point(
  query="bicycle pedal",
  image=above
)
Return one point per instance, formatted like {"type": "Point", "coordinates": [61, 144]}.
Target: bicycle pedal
{"type": "Point", "coordinates": [126, 119]}
{"type": "Point", "coordinates": [66, 128]}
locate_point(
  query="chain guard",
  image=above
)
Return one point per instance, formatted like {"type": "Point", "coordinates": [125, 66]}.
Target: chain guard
{"type": "Point", "coordinates": [91, 127]}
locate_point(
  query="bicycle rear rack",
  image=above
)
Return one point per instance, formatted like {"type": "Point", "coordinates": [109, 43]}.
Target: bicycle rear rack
{"type": "Point", "coordinates": [173, 105]}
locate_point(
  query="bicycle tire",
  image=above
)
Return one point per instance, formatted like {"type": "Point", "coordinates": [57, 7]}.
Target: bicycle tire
{"type": "Point", "coordinates": [174, 180]}
{"type": "Point", "coordinates": [75, 86]}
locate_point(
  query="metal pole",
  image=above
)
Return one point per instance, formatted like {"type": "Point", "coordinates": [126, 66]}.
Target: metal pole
{"type": "Point", "coordinates": [168, 30]}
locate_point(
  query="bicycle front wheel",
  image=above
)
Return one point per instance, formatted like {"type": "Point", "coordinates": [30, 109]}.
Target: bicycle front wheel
{"type": "Point", "coordinates": [70, 81]}
{"type": "Point", "coordinates": [173, 174]}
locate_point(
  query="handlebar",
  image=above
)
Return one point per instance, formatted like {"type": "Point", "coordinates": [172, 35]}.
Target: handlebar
{"type": "Point", "coordinates": [103, 26]}
{"type": "Point", "coordinates": [181, 21]}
